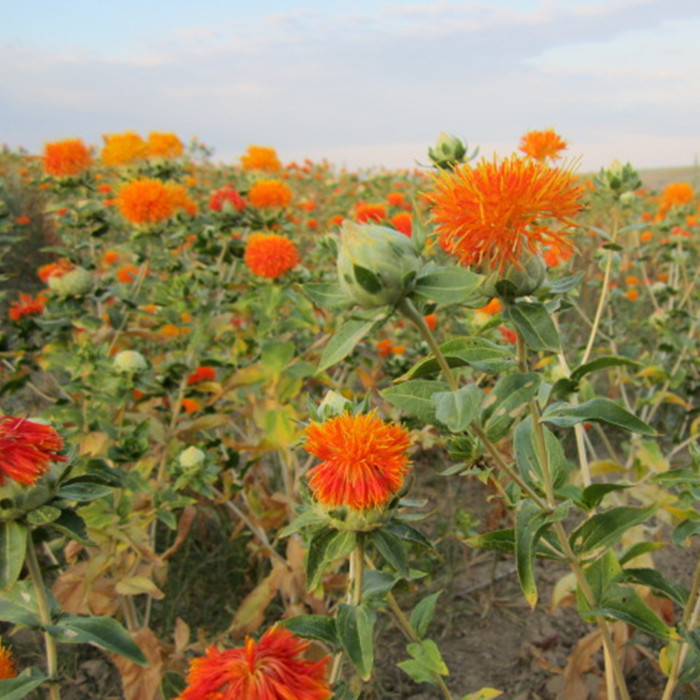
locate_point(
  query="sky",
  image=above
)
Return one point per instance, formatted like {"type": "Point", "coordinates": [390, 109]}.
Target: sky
{"type": "Point", "coordinates": [366, 83]}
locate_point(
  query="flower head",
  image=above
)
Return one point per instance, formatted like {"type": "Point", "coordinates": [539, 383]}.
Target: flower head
{"type": "Point", "coordinates": [365, 212]}
{"type": "Point", "coordinates": [146, 201]}
{"type": "Point", "coordinates": [269, 194]}
{"type": "Point", "coordinates": [270, 255]}
{"type": "Point", "coordinates": [26, 448]}
{"type": "Point", "coordinates": [542, 145]}
{"type": "Point", "coordinates": [55, 269]}
{"type": "Point", "coordinates": [120, 149]}
{"type": "Point", "coordinates": [164, 145]}
{"type": "Point", "coordinates": [27, 305]}
{"type": "Point", "coordinates": [271, 669]}
{"type": "Point", "coordinates": [229, 194]}
{"type": "Point", "coordinates": [491, 213]}
{"type": "Point", "coordinates": [676, 194]}
{"type": "Point", "coordinates": [363, 463]}
{"type": "Point", "coordinates": [69, 157]}
{"type": "Point", "coordinates": [203, 373]}
{"type": "Point", "coordinates": [8, 669]}
{"type": "Point", "coordinates": [261, 158]}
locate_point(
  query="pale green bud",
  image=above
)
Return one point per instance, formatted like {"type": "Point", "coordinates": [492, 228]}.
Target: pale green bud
{"type": "Point", "coordinates": [376, 265]}
{"type": "Point", "coordinates": [75, 283]}
{"type": "Point", "coordinates": [448, 151]}
{"type": "Point", "coordinates": [516, 280]}
{"type": "Point", "coordinates": [129, 362]}
{"type": "Point", "coordinates": [333, 404]}
{"type": "Point", "coordinates": [628, 198]}
{"type": "Point", "coordinates": [191, 459]}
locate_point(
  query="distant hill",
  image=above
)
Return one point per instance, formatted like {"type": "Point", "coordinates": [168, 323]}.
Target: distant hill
{"type": "Point", "coordinates": [657, 178]}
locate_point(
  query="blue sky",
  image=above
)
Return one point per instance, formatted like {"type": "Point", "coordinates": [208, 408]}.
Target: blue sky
{"type": "Point", "coordinates": [363, 83]}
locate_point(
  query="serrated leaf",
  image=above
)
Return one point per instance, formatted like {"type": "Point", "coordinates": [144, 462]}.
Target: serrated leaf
{"type": "Point", "coordinates": [344, 341]}
{"type": "Point", "coordinates": [598, 411]}
{"type": "Point", "coordinates": [605, 529]}
{"type": "Point", "coordinates": [327, 295]}
{"type": "Point", "coordinates": [392, 549]}
{"type": "Point", "coordinates": [377, 583]}
{"type": "Point", "coordinates": [593, 495]}
{"type": "Point", "coordinates": [602, 363]}
{"type": "Point", "coordinates": [355, 626]}
{"type": "Point", "coordinates": [414, 397]}
{"type": "Point", "coordinates": [427, 662]}
{"type": "Point", "coordinates": [83, 491]}
{"type": "Point", "coordinates": [534, 322]}
{"type": "Point", "coordinates": [448, 285]}
{"type": "Point", "coordinates": [423, 613]}
{"type": "Point", "coordinates": [457, 409]}
{"type": "Point", "coordinates": [319, 627]}
{"type": "Point", "coordinates": [508, 399]}
{"type": "Point", "coordinates": [564, 284]}
{"type": "Point", "coordinates": [657, 582]}
{"type": "Point", "coordinates": [13, 548]}
{"type": "Point", "coordinates": [325, 547]}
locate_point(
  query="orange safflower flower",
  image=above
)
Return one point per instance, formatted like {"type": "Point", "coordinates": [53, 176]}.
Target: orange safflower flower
{"type": "Point", "coordinates": [363, 463]}
{"type": "Point", "coordinates": [554, 255]}
{"type": "Point", "coordinates": [226, 194]}
{"type": "Point", "coordinates": [23, 220]}
{"type": "Point", "coordinates": [269, 194]}
{"type": "Point", "coordinates": [26, 448]}
{"type": "Point", "coordinates": [396, 199]}
{"type": "Point", "coordinates": [8, 669]}
{"type": "Point", "coordinates": [492, 212]}
{"type": "Point", "coordinates": [180, 199]}
{"type": "Point", "coordinates": [646, 236]}
{"type": "Point", "coordinates": [146, 201]}
{"type": "Point", "coordinates": [369, 212]}
{"type": "Point", "coordinates": [676, 194]}
{"type": "Point", "coordinates": [632, 294]}
{"type": "Point", "coordinates": [270, 255]}
{"type": "Point", "coordinates": [164, 145]}
{"type": "Point", "coordinates": [55, 269]}
{"type": "Point", "coordinates": [26, 306]}
{"type": "Point", "coordinates": [170, 330]}
{"type": "Point", "coordinates": [542, 145]}
{"type": "Point", "coordinates": [120, 149]}
{"type": "Point", "coordinates": [492, 308]}
{"type": "Point", "coordinates": [402, 222]}
{"type": "Point", "coordinates": [384, 347]}
{"type": "Point", "coordinates": [261, 158]}
{"type": "Point", "coordinates": [110, 257]}
{"type": "Point", "coordinates": [431, 320]}
{"type": "Point", "coordinates": [69, 157]}
{"type": "Point", "coordinates": [191, 405]}
{"type": "Point", "coordinates": [127, 273]}
{"type": "Point", "coordinates": [203, 373]}
{"type": "Point", "coordinates": [271, 669]}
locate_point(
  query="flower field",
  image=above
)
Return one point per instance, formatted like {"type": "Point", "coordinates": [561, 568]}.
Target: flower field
{"type": "Point", "coordinates": [225, 388]}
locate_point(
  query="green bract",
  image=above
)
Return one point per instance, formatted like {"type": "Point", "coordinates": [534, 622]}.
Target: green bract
{"type": "Point", "coordinates": [376, 265]}
{"type": "Point", "coordinates": [129, 362]}
{"type": "Point", "coordinates": [75, 283]}
{"type": "Point", "coordinates": [516, 280]}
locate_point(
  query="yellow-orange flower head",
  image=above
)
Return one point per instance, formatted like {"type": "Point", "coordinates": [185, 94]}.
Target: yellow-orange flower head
{"type": "Point", "coordinates": [8, 669]}
{"type": "Point", "coordinates": [261, 158]}
{"type": "Point", "coordinates": [120, 149]}
{"type": "Point", "coordinates": [490, 213]}
{"type": "Point", "coordinates": [364, 460]}
{"type": "Point", "coordinates": [269, 194]}
{"type": "Point", "coordinates": [147, 200]}
{"type": "Point", "coordinates": [164, 145]}
{"type": "Point", "coordinates": [272, 669]}
{"type": "Point", "coordinates": [69, 157]}
{"type": "Point", "coordinates": [270, 255]}
{"type": "Point", "coordinates": [542, 145]}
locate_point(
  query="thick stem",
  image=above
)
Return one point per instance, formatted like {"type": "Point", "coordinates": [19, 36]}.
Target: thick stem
{"type": "Point", "coordinates": [45, 616]}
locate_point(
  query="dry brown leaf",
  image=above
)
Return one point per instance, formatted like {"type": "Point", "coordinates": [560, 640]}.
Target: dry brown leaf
{"type": "Point", "coordinates": [580, 662]}
{"type": "Point", "coordinates": [251, 611]}
{"type": "Point", "coordinates": [183, 527]}
{"type": "Point", "coordinates": [80, 595]}
{"type": "Point", "coordinates": [142, 682]}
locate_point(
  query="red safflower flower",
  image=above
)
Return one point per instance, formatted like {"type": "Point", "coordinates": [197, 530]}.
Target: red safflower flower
{"type": "Point", "coordinates": [431, 320]}
{"type": "Point", "coordinates": [127, 273]}
{"type": "Point", "coordinates": [363, 463]}
{"type": "Point", "coordinates": [542, 145]}
{"type": "Point", "coordinates": [26, 448]}
{"type": "Point", "coordinates": [271, 669]}
{"type": "Point", "coordinates": [402, 222]}
{"type": "Point", "coordinates": [226, 194]}
{"type": "Point", "coordinates": [69, 157]}
{"type": "Point", "coordinates": [55, 269]}
{"type": "Point", "coordinates": [201, 374]}
{"type": "Point", "coordinates": [191, 405]}
{"type": "Point", "coordinates": [270, 255]}
{"type": "Point", "coordinates": [26, 306]}
{"type": "Point", "coordinates": [261, 158]}
{"type": "Point", "coordinates": [369, 212]}
{"type": "Point", "coordinates": [492, 212]}
{"type": "Point", "coordinates": [23, 220]}
{"type": "Point", "coordinates": [508, 335]}
{"type": "Point", "coordinates": [270, 194]}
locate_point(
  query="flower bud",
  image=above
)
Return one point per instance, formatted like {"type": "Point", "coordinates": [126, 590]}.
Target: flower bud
{"type": "Point", "coordinates": [75, 283]}
{"type": "Point", "coordinates": [191, 459]}
{"type": "Point", "coordinates": [376, 265]}
{"type": "Point", "coordinates": [448, 151]}
{"type": "Point", "coordinates": [516, 280]}
{"type": "Point", "coordinates": [129, 362]}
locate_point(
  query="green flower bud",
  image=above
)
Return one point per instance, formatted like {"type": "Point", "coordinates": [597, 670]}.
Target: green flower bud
{"type": "Point", "coordinates": [376, 265]}
{"type": "Point", "coordinates": [448, 151]}
{"type": "Point", "coordinates": [76, 283]}
{"type": "Point", "coordinates": [191, 459]}
{"type": "Point", "coordinates": [129, 362]}
{"type": "Point", "coordinates": [516, 280]}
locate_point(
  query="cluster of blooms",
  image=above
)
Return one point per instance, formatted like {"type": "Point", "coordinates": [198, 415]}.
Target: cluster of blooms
{"type": "Point", "coordinates": [125, 148]}
{"type": "Point", "coordinates": [261, 158]}
{"type": "Point", "coordinates": [148, 201]}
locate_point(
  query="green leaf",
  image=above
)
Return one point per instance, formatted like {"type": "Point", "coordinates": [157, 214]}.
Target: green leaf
{"type": "Point", "coordinates": [593, 495]}
{"type": "Point", "coordinates": [319, 627]}
{"type": "Point", "coordinates": [605, 529]}
{"type": "Point", "coordinates": [392, 549]}
{"type": "Point", "coordinates": [367, 279]}
{"type": "Point", "coordinates": [480, 353]}
{"type": "Point", "coordinates": [19, 687]}
{"type": "Point", "coordinates": [427, 662]}
{"type": "Point", "coordinates": [327, 295]}
{"type": "Point", "coordinates": [72, 525]}
{"type": "Point", "coordinates": [528, 522]}
{"type": "Point", "coordinates": [408, 534]}
{"type": "Point", "coordinates": [377, 583]}
{"type": "Point", "coordinates": [637, 549]}
{"type": "Point", "coordinates": [325, 547]}
{"type": "Point", "coordinates": [448, 285]}
{"type": "Point", "coordinates": [172, 685]}
{"type": "Point", "coordinates": [483, 694]}
{"type": "Point", "coordinates": [602, 363]}
{"type": "Point", "coordinates": [655, 580]}
{"type": "Point", "coordinates": [685, 530]}
{"type": "Point", "coordinates": [457, 409]}
{"type": "Point", "coordinates": [355, 625]}
{"type": "Point", "coordinates": [43, 515]}
{"type": "Point", "coordinates": [495, 541]}
{"type": "Point", "coordinates": [508, 399]}
{"type": "Point", "coordinates": [564, 284]}
{"type": "Point", "coordinates": [598, 411]}
{"type": "Point", "coordinates": [99, 630]}
{"type": "Point", "coordinates": [528, 458]}
{"type": "Point", "coordinates": [275, 356]}
{"type": "Point", "coordinates": [345, 339]}
{"type": "Point", "coordinates": [534, 322]}
{"type": "Point", "coordinates": [82, 491]}
{"type": "Point", "coordinates": [18, 605]}
{"type": "Point", "coordinates": [13, 548]}
{"type": "Point", "coordinates": [422, 615]}
{"type": "Point", "coordinates": [414, 397]}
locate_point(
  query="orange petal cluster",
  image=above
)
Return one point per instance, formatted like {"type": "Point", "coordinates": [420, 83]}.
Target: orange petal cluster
{"type": "Point", "coordinates": [148, 201]}
{"type": "Point", "coordinates": [270, 194]}
{"type": "Point", "coordinates": [27, 305]}
{"type": "Point", "coordinates": [261, 158]}
{"type": "Point", "coordinates": [121, 149]}
{"type": "Point", "coordinates": [543, 145]}
{"type": "Point", "coordinates": [69, 157]}
{"type": "Point", "coordinates": [271, 669]}
{"type": "Point", "coordinates": [363, 460]}
{"type": "Point", "coordinates": [270, 255]}
{"type": "Point", "coordinates": [492, 212]}
{"type": "Point", "coordinates": [164, 145]}
{"type": "Point", "coordinates": [8, 669]}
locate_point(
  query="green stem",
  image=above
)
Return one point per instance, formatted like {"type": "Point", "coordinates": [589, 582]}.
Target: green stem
{"type": "Point", "coordinates": [45, 616]}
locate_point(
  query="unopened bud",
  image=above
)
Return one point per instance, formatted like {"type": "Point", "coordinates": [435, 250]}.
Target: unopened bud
{"type": "Point", "coordinates": [191, 459]}
{"type": "Point", "coordinates": [129, 362]}
{"type": "Point", "coordinates": [448, 151]}
{"type": "Point", "coordinates": [376, 265]}
{"type": "Point", "coordinates": [75, 283]}
{"type": "Point", "coordinates": [516, 280]}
